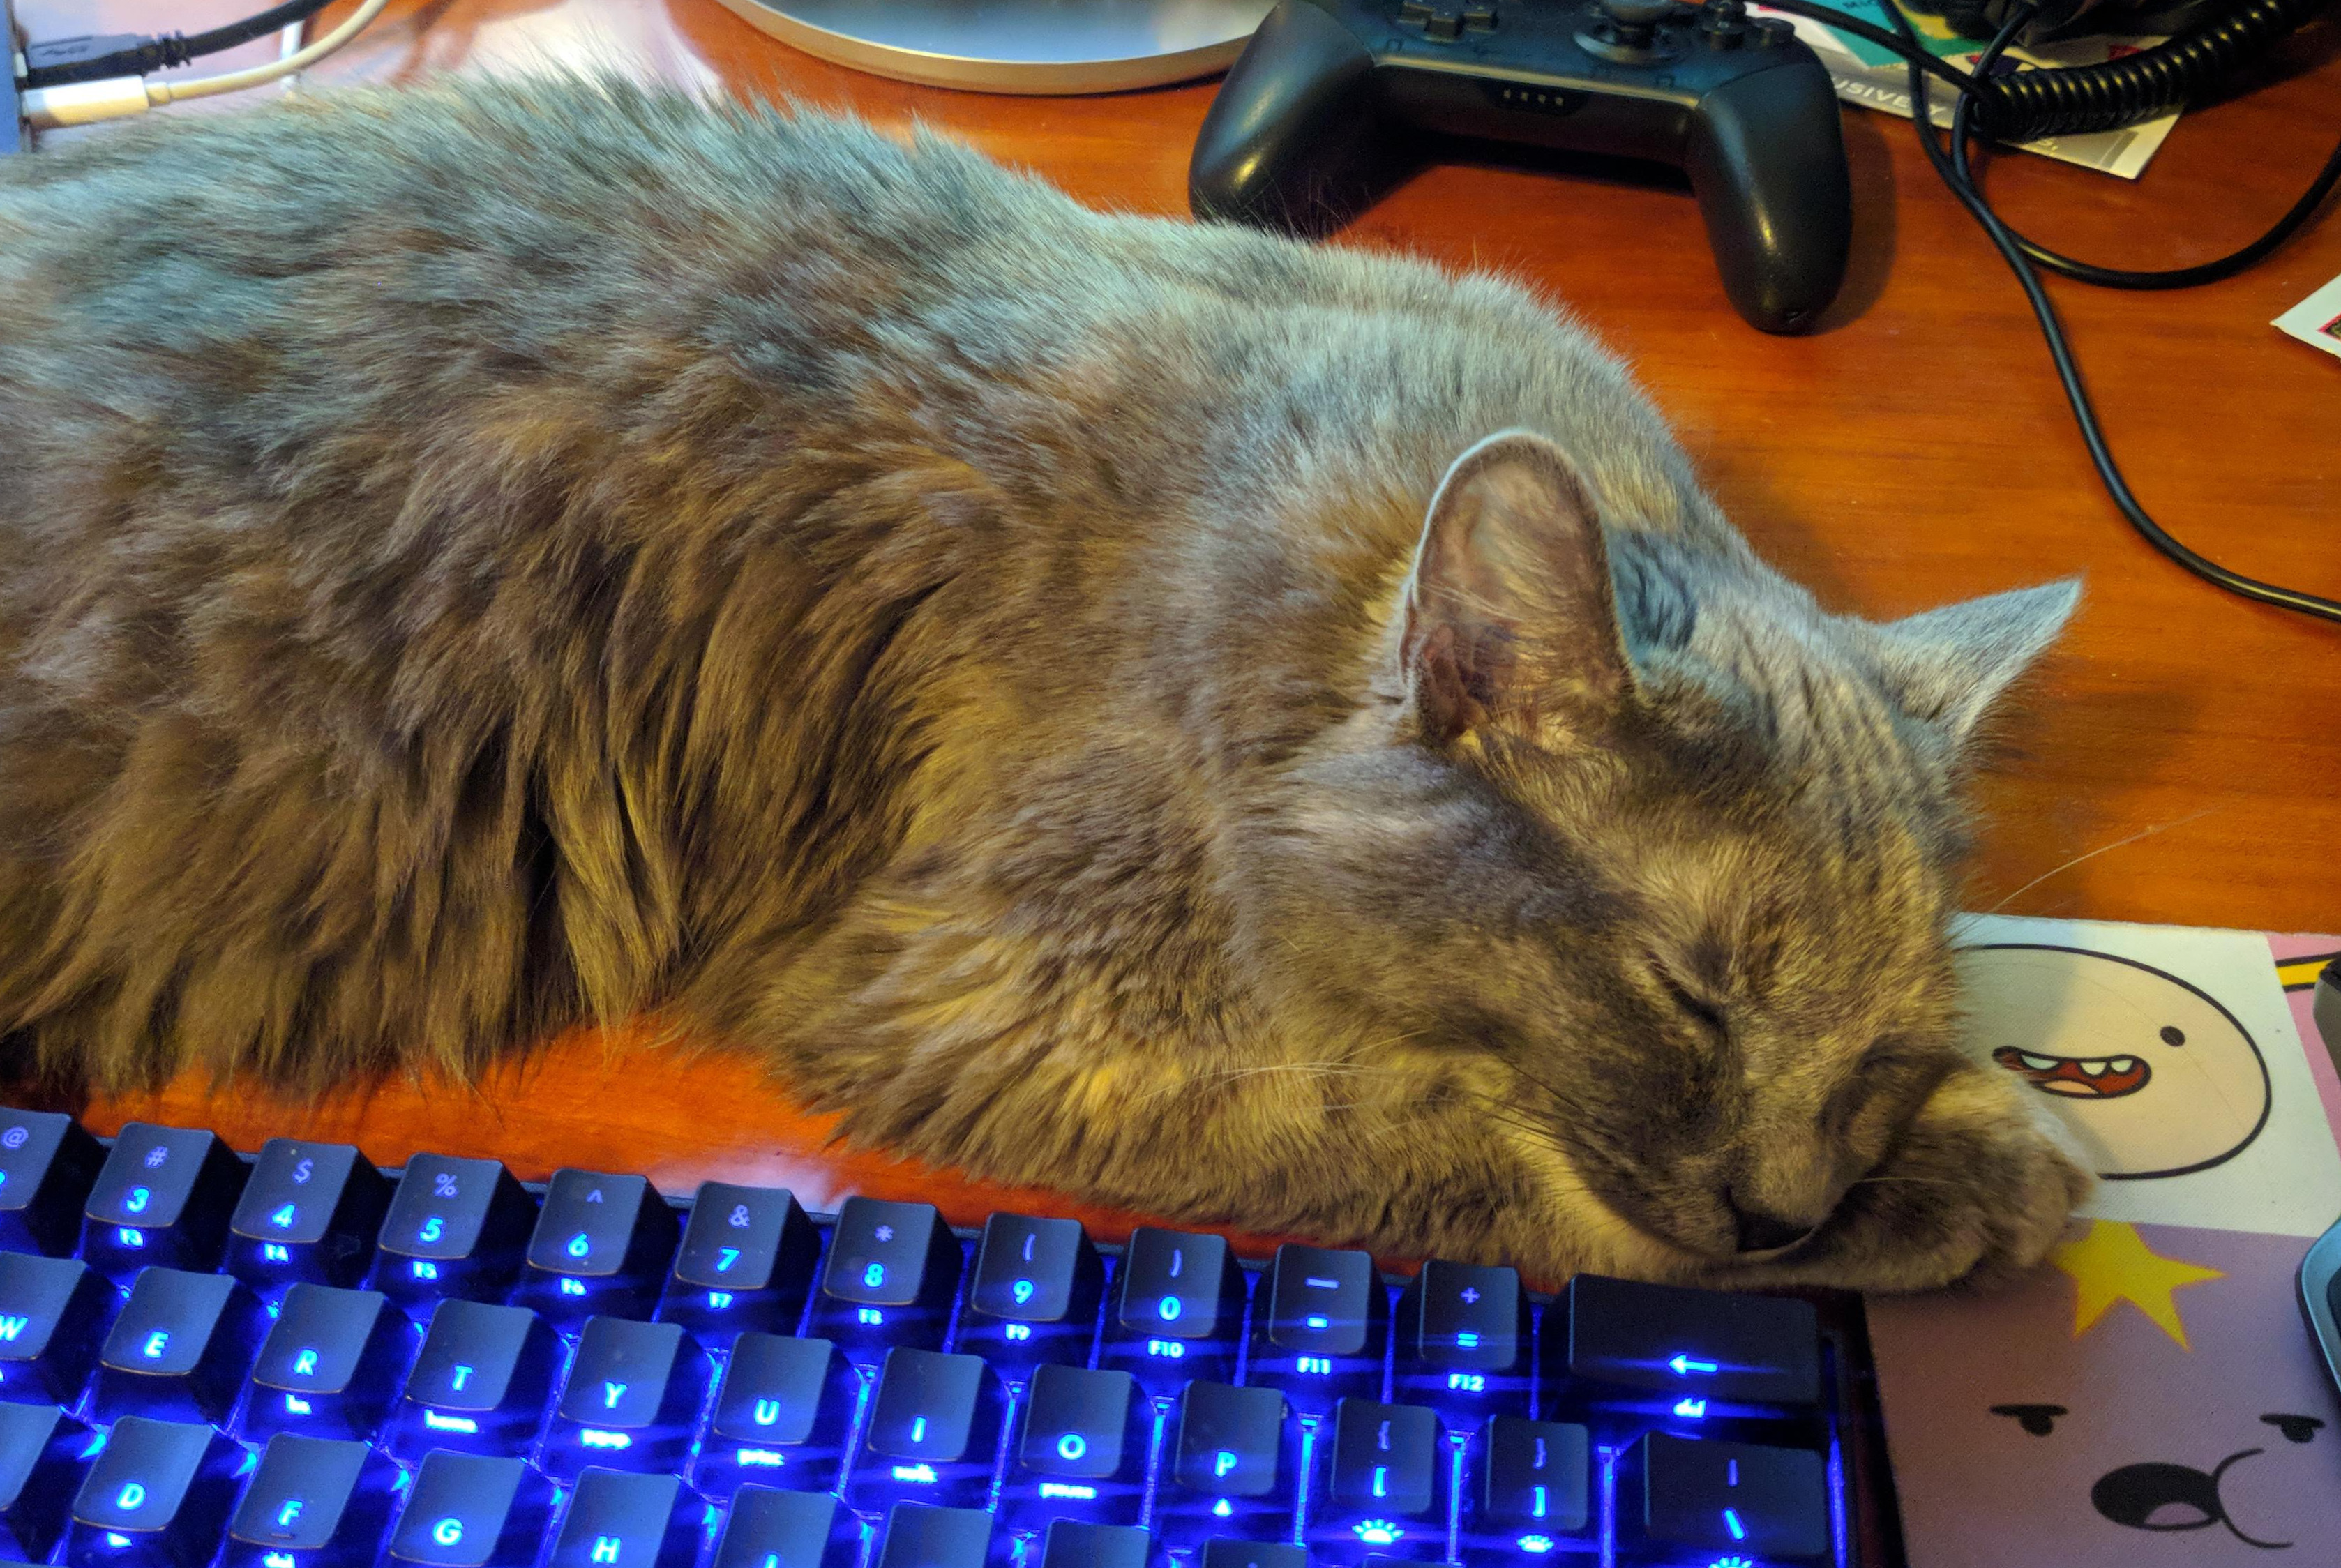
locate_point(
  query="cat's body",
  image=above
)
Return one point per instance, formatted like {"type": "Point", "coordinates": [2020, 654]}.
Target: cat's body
{"type": "Point", "coordinates": [480, 560]}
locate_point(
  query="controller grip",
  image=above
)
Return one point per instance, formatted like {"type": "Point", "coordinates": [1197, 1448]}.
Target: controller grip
{"type": "Point", "coordinates": [1292, 128]}
{"type": "Point", "coordinates": [1766, 156]}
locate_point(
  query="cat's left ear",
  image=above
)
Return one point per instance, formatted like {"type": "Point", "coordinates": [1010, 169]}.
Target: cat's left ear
{"type": "Point", "coordinates": [1509, 615]}
{"type": "Point", "coordinates": [1947, 666]}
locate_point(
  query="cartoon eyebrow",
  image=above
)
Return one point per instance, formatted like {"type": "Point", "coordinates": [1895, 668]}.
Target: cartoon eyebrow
{"type": "Point", "coordinates": [2295, 1428]}
{"type": "Point", "coordinates": [2040, 1419]}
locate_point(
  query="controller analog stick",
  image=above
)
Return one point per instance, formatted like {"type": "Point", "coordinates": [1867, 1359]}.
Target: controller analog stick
{"type": "Point", "coordinates": [1634, 24]}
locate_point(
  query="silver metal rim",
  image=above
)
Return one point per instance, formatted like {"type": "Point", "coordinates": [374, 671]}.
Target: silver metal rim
{"type": "Point", "coordinates": [1037, 78]}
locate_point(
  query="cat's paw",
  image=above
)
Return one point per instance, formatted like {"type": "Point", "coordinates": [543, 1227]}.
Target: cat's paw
{"type": "Point", "coordinates": [1980, 1188]}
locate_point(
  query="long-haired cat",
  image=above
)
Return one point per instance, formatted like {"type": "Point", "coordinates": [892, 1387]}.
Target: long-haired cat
{"type": "Point", "coordinates": [1250, 732]}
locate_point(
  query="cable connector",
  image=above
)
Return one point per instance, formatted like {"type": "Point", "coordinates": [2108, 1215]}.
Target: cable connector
{"type": "Point", "coordinates": [94, 55]}
{"type": "Point", "coordinates": [84, 102]}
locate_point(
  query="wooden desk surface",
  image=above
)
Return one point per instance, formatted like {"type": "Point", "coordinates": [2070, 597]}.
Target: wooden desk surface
{"type": "Point", "coordinates": [2178, 759]}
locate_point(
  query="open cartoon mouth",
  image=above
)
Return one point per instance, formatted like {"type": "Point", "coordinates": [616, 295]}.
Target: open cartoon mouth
{"type": "Point", "coordinates": [2080, 1078]}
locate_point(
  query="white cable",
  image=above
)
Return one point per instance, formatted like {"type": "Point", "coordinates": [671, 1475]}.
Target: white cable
{"type": "Point", "coordinates": [237, 81]}
{"type": "Point", "coordinates": [289, 41]}
{"type": "Point", "coordinates": [84, 102]}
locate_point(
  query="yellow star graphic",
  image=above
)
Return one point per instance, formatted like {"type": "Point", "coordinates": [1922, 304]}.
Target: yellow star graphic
{"type": "Point", "coordinates": [2112, 1263]}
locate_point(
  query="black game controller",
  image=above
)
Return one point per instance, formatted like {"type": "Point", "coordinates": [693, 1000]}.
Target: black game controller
{"type": "Point", "coordinates": [1738, 104]}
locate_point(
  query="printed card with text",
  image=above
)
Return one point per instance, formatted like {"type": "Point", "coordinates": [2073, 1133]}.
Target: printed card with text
{"type": "Point", "coordinates": [2316, 320]}
{"type": "Point", "coordinates": [2150, 1396]}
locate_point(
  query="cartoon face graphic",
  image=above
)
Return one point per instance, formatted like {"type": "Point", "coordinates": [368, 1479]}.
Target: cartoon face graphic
{"type": "Point", "coordinates": [2153, 1076]}
{"type": "Point", "coordinates": [2163, 1496]}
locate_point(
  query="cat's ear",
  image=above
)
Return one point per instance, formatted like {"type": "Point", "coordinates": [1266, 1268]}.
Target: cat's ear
{"type": "Point", "coordinates": [1509, 615]}
{"type": "Point", "coordinates": [1946, 666]}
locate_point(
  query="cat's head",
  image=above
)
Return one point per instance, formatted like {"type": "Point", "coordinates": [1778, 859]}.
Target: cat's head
{"type": "Point", "coordinates": [1655, 855]}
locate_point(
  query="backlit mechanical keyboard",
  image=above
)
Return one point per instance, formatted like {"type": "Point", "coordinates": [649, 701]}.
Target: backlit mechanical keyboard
{"type": "Point", "coordinates": [295, 1360]}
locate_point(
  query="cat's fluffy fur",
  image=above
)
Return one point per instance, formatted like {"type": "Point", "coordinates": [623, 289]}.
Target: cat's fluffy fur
{"type": "Point", "coordinates": [477, 559]}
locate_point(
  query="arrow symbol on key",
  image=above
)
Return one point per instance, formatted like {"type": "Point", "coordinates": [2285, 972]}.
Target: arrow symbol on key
{"type": "Point", "coordinates": [1684, 1365]}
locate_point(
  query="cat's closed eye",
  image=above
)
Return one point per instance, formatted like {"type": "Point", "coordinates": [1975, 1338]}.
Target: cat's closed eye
{"type": "Point", "coordinates": [1708, 1016]}
{"type": "Point", "coordinates": [1883, 1090]}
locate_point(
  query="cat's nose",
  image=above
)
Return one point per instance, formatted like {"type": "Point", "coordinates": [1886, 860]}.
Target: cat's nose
{"type": "Point", "coordinates": [1761, 1232]}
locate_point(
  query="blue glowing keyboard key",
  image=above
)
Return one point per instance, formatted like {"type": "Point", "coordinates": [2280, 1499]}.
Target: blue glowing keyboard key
{"type": "Point", "coordinates": [314, 1502]}
{"type": "Point", "coordinates": [1080, 1453]}
{"type": "Point", "coordinates": [455, 1227]}
{"type": "Point", "coordinates": [920, 1535]}
{"type": "Point", "coordinates": [631, 1399]}
{"type": "Point", "coordinates": [1385, 1483]}
{"type": "Point", "coordinates": [1226, 1552]}
{"type": "Point", "coordinates": [330, 1366]}
{"type": "Point", "coordinates": [1464, 1343]}
{"type": "Point", "coordinates": [600, 1249]}
{"type": "Point", "coordinates": [1385, 1560]}
{"type": "Point", "coordinates": [310, 1211]}
{"type": "Point", "coordinates": [1531, 1491]}
{"type": "Point", "coordinates": [1234, 1467]}
{"type": "Point", "coordinates": [770, 1528]}
{"type": "Point", "coordinates": [471, 1511]}
{"type": "Point", "coordinates": [1076, 1543]}
{"type": "Point", "coordinates": [43, 1455]}
{"type": "Point", "coordinates": [157, 1496]}
{"type": "Point", "coordinates": [181, 1349]}
{"type": "Point", "coordinates": [54, 1314]}
{"type": "Point", "coordinates": [932, 1433]}
{"type": "Point", "coordinates": [1178, 1310]}
{"type": "Point", "coordinates": [892, 1271]}
{"type": "Point", "coordinates": [48, 1162]}
{"type": "Point", "coordinates": [781, 1418]}
{"type": "Point", "coordinates": [1033, 1296]}
{"type": "Point", "coordinates": [1318, 1334]}
{"type": "Point", "coordinates": [1628, 1352]}
{"type": "Point", "coordinates": [161, 1200]}
{"type": "Point", "coordinates": [619, 1519]}
{"type": "Point", "coordinates": [480, 1382]}
{"type": "Point", "coordinates": [746, 1264]}
{"type": "Point", "coordinates": [1678, 1496]}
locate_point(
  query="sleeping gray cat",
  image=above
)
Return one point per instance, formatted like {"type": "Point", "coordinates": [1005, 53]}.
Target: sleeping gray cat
{"type": "Point", "coordinates": [1254, 733]}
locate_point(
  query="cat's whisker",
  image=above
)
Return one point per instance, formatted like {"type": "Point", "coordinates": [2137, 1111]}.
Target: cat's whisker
{"type": "Point", "coordinates": [2147, 832]}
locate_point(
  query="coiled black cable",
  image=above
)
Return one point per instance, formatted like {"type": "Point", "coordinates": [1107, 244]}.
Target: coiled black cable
{"type": "Point", "coordinates": [1952, 167]}
{"type": "Point", "coordinates": [1971, 87]}
{"type": "Point", "coordinates": [2073, 100]}
{"type": "Point", "coordinates": [2068, 102]}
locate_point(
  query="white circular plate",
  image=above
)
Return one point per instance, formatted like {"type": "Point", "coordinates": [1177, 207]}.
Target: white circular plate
{"type": "Point", "coordinates": [1035, 46]}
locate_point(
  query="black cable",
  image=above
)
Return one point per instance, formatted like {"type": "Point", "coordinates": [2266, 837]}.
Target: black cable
{"type": "Point", "coordinates": [56, 64]}
{"type": "Point", "coordinates": [2236, 261]}
{"type": "Point", "coordinates": [2060, 352]}
{"type": "Point", "coordinates": [2075, 99]}
{"type": "Point", "coordinates": [2117, 92]}
{"type": "Point", "coordinates": [1972, 85]}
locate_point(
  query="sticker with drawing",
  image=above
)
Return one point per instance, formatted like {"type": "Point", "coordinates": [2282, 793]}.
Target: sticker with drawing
{"type": "Point", "coordinates": [2148, 1398]}
{"type": "Point", "coordinates": [2173, 1057]}
{"type": "Point", "coordinates": [2154, 1075]}
{"type": "Point", "coordinates": [2147, 1401]}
